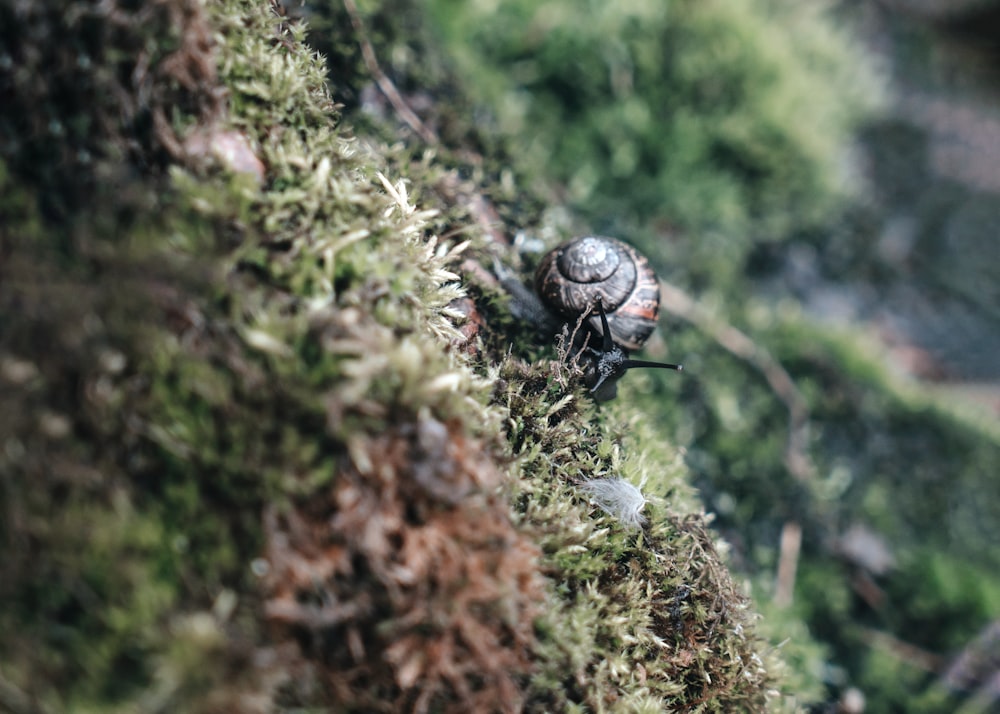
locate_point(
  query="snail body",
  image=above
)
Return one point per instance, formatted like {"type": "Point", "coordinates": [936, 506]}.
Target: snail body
{"type": "Point", "coordinates": [612, 286]}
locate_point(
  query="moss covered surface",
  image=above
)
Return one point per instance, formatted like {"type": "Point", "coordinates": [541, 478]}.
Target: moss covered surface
{"type": "Point", "coordinates": [248, 463]}
{"type": "Point", "coordinates": [707, 158]}
{"type": "Point", "coordinates": [259, 450]}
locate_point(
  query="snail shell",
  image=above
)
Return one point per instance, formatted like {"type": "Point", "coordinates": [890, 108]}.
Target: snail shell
{"type": "Point", "coordinates": [574, 275]}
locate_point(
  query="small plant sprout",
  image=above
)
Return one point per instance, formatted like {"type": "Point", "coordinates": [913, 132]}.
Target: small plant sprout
{"type": "Point", "coordinates": [618, 498]}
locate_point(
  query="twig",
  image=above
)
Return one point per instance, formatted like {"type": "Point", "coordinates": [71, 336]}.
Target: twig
{"type": "Point", "coordinates": [788, 563]}
{"type": "Point", "coordinates": [903, 650]}
{"type": "Point", "coordinates": [383, 82]}
{"type": "Point", "coordinates": [739, 344]}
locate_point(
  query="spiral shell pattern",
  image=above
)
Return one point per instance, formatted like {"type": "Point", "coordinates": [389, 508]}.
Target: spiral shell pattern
{"type": "Point", "coordinates": [571, 277]}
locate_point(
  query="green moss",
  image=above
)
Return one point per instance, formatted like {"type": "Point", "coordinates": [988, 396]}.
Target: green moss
{"type": "Point", "coordinates": [705, 131]}
{"type": "Point", "coordinates": [700, 128]}
{"type": "Point", "coordinates": [638, 620]}
{"type": "Point", "coordinates": [889, 455]}
{"type": "Point", "coordinates": [263, 442]}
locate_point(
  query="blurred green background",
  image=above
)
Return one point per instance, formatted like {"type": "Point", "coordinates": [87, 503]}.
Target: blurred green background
{"type": "Point", "coordinates": [824, 179]}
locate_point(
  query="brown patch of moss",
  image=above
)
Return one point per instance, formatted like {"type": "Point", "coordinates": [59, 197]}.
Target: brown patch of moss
{"type": "Point", "coordinates": [410, 559]}
{"type": "Point", "coordinates": [704, 615]}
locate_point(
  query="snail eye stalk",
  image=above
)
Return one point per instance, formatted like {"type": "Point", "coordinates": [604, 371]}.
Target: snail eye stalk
{"type": "Point", "coordinates": [609, 344]}
{"type": "Point", "coordinates": [624, 363]}
{"type": "Point", "coordinates": [611, 362]}
{"type": "Point", "coordinates": [630, 363]}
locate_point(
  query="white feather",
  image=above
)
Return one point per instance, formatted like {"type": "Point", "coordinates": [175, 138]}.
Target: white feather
{"type": "Point", "coordinates": [618, 498]}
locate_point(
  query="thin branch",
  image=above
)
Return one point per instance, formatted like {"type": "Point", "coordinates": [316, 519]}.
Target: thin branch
{"type": "Point", "coordinates": [788, 563]}
{"type": "Point", "coordinates": [740, 345]}
{"type": "Point", "coordinates": [902, 650]}
{"type": "Point", "coordinates": [383, 82]}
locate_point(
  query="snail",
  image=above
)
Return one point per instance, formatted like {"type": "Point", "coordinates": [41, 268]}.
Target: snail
{"type": "Point", "coordinates": [575, 276]}
{"type": "Point", "coordinates": [597, 274]}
